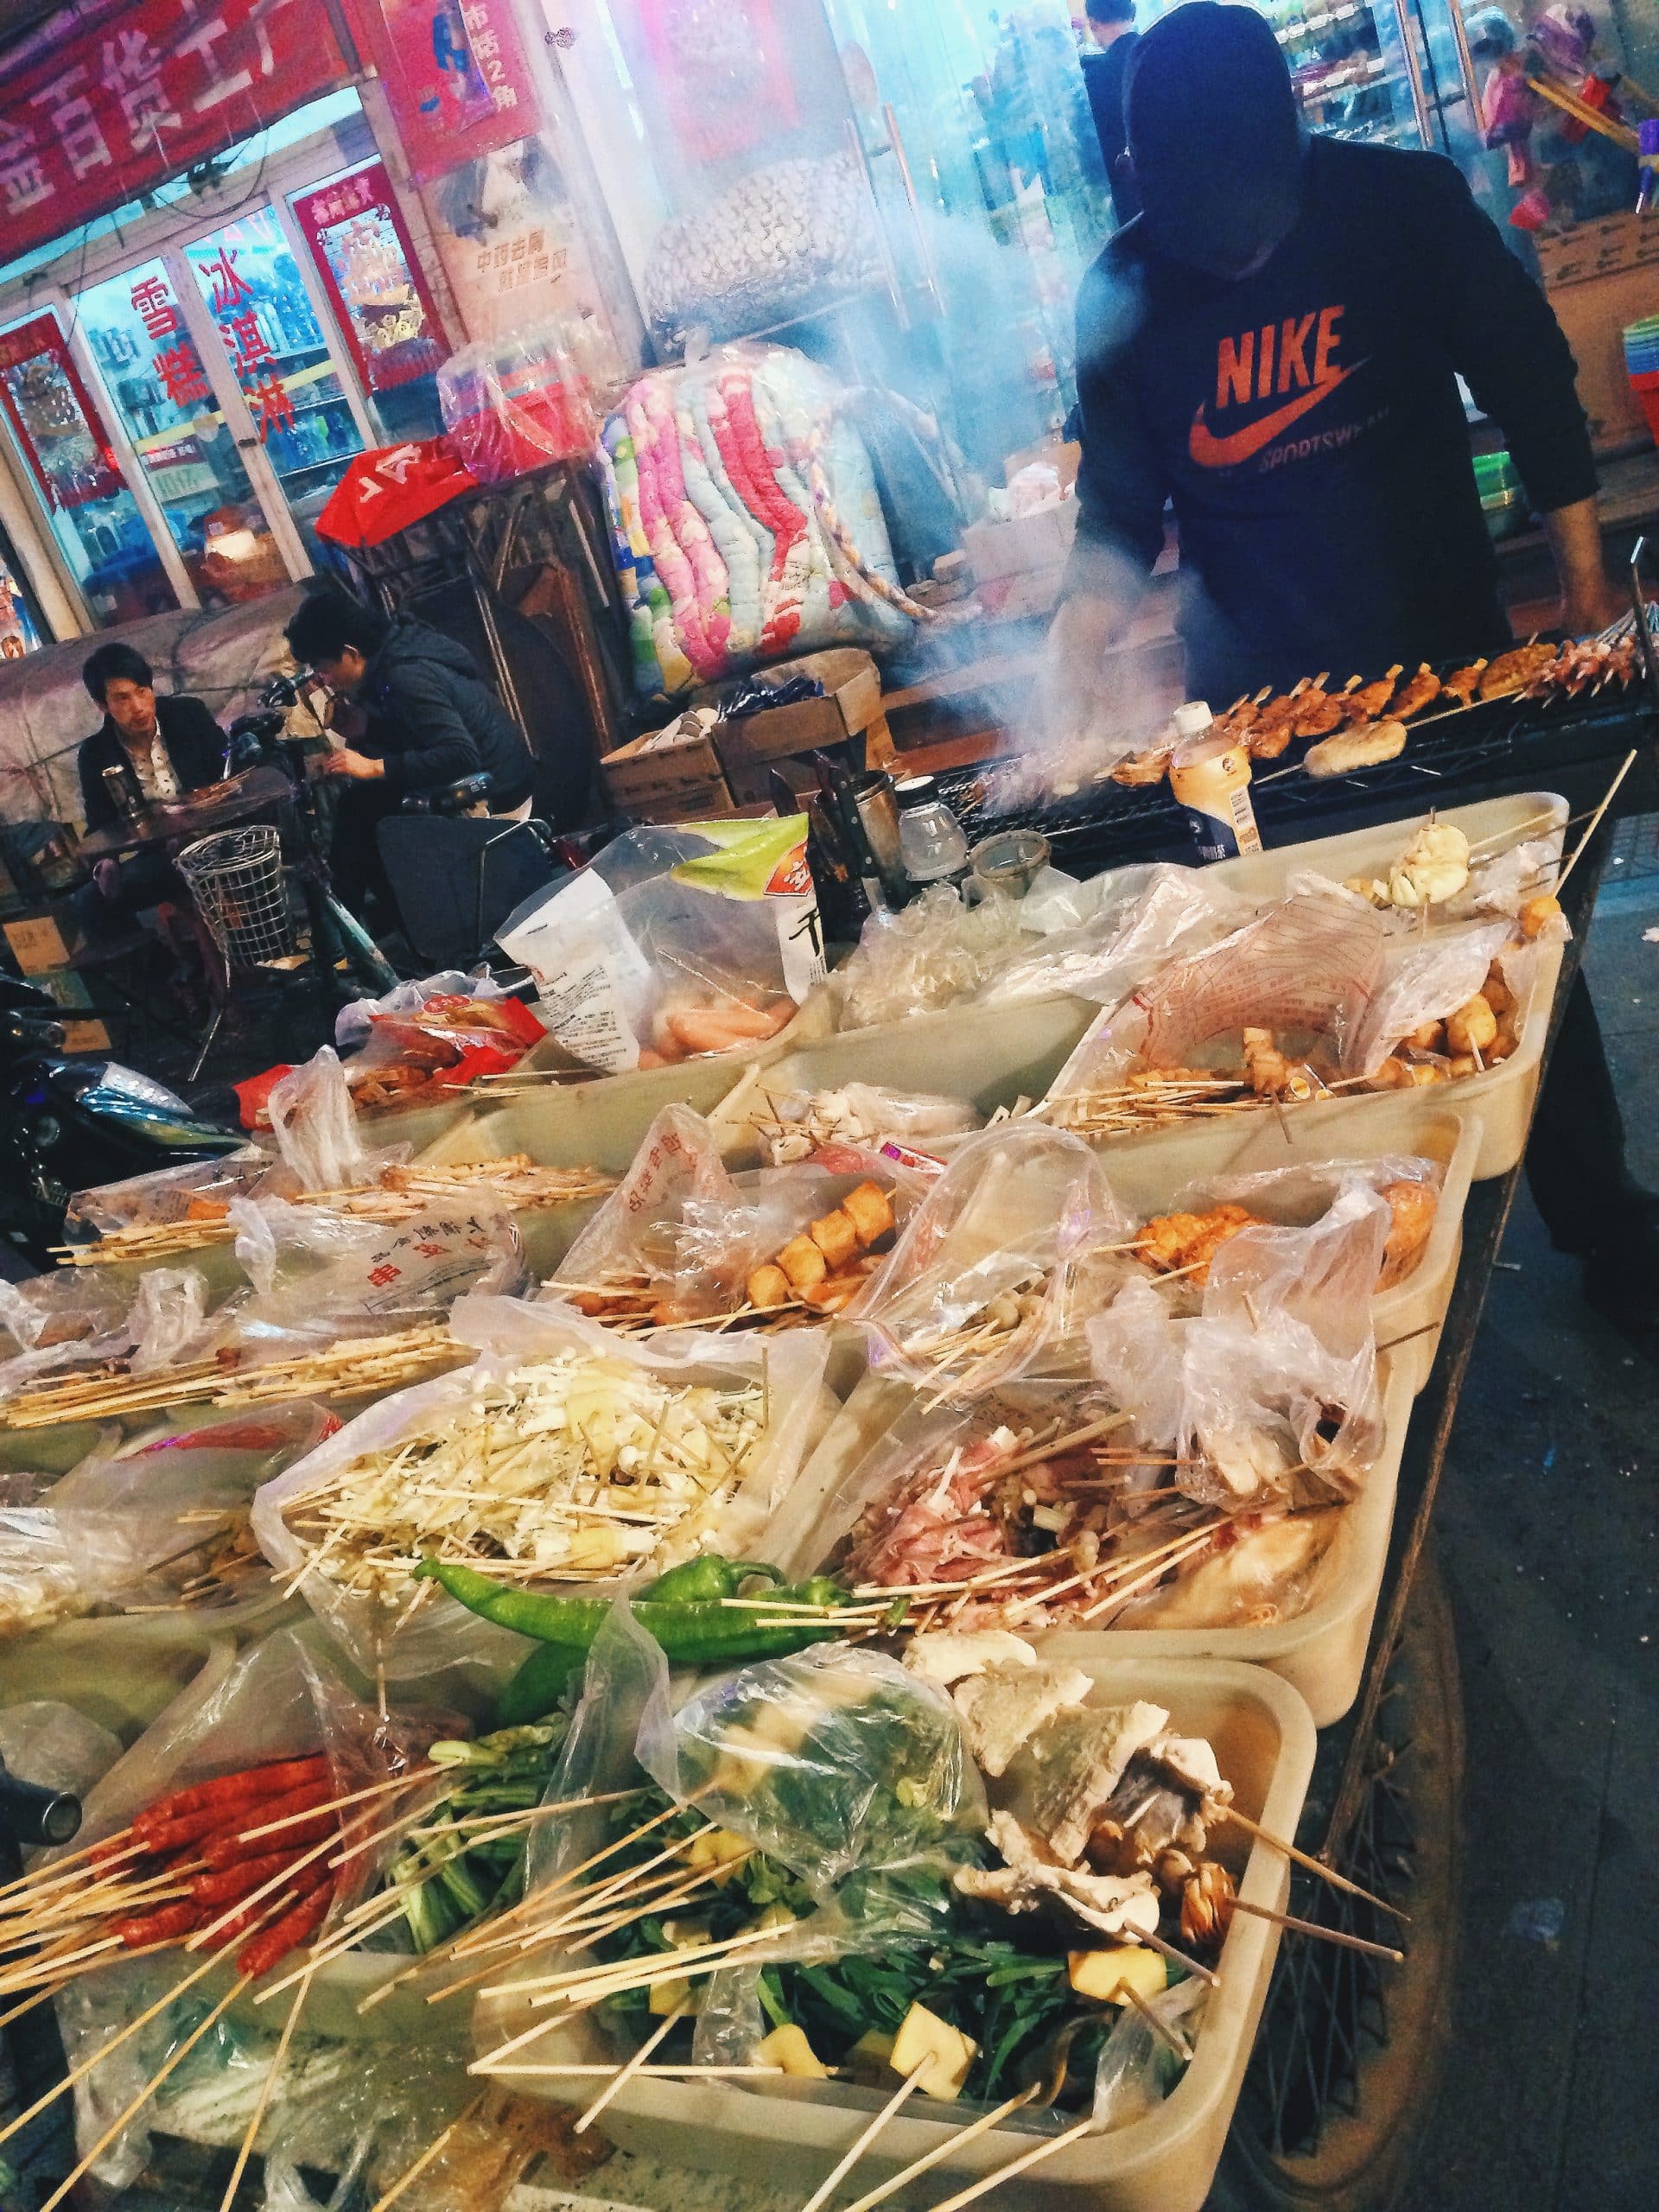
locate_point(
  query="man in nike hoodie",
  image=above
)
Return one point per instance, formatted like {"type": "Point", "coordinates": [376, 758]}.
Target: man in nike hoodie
{"type": "Point", "coordinates": [1273, 347]}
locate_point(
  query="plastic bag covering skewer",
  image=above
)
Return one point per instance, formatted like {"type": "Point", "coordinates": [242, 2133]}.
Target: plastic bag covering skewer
{"type": "Point", "coordinates": [674, 943]}
{"type": "Point", "coordinates": [1001, 1245]}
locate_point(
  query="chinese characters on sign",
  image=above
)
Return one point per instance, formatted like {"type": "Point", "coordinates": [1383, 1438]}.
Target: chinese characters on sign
{"type": "Point", "coordinates": [456, 75]}
{"type": "Point", "coordinates": [176, 364]}
{"type": "Point", "coordinates": [112, 111]}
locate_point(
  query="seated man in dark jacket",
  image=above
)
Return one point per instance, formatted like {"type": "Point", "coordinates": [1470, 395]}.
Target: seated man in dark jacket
{"type": "Point", "coordinates": [429, 721]}
{"type": "Point", "coordinates": [171, 745]}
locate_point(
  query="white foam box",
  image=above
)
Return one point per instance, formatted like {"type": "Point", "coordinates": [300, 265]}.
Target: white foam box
{"type": "Point", "coordinates": [1165, 2162]}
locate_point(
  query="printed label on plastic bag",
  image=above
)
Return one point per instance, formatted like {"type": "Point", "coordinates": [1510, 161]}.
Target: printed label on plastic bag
{"type": "Point", "coordinates": [588, 968]}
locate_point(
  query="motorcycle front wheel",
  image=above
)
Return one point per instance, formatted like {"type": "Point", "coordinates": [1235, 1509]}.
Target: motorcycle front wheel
{"type": "Point", "coordinates": [1348, 2060]}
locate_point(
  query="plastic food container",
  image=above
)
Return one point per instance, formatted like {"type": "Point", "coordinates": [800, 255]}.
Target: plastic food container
{"type": "Point", "coordinates": [1163, 2163]}
{"type": "Point", "coordinates": [1405, 1319]}
{"type": "Point", "coordinates": [1320, 1651]}
{"type": "Point", "coordinates": [990, 1055]}
{"type": "Point", "coordinates": [1500, 1100]}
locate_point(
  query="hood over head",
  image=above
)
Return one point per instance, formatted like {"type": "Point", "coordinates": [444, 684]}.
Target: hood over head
{"type": "Point", "coordinates": [1215, 137]}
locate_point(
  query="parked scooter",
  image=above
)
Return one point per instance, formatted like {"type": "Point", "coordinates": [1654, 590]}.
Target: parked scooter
{"type": "Point", "coordinates": [67, 1124]}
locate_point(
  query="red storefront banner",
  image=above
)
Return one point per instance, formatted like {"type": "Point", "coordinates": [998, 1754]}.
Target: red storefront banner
{"type": "Point", "coordinates": [55, 417]}
{"type": "Point", "coordinates": [455, 73]}
{"type": "Point", "coordinates": [143, 94]}
{"type": "Point", "coordinates": [367, 267]}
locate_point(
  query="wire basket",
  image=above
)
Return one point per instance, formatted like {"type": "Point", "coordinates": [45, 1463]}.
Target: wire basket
{"type": "Point", "coordinates": [236, 878]}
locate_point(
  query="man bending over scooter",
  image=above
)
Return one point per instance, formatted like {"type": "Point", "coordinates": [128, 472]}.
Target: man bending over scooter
{"type": "Point", "coordinates": [428, 719]}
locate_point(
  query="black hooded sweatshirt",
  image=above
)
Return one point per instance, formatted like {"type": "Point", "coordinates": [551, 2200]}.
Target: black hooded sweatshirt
{"type": "Point", "coordinates": [1306, 425]}
{"type": "Point", "coordinates": [432, 718]}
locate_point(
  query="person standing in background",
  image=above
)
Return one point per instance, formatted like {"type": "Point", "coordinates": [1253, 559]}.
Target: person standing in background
{"type": "Point", "coordinates": [1111, 26]}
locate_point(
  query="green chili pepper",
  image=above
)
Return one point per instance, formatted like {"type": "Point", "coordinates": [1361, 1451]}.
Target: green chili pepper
{"type": "Point", "coordinates": [539, 1683]}
{"type": "Point", "coordinates": [705, 1579]}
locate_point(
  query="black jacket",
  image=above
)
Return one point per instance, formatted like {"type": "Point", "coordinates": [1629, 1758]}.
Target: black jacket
{"type": "Point", "coordinates": [1103, 72]}
{"type": "Point", "coordinates": [1306, 425]}
{"type": "Point", "coordinates": [432, 718]}
{"type": "Point", "coordinates": [194, 742]}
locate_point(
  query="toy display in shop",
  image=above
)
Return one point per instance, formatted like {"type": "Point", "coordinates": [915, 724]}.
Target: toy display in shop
{"type": "Point", "coordinates": [745, 522]}
{"type": "Point", "coordinates": [1547, 102]}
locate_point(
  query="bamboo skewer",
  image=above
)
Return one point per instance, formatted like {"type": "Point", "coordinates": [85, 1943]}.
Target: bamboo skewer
{"type": "Point", "coordinates": [860, 2142]}
{"type": "Point", "coordinates": [413, 2173]}
{"type": "Point", "coordinates": [267, 2089]}
{"type": "Point", "coordinates": [78, 2072]}
{"type": "Point", "coordinates": [929, 2159]}
{"type": "Point", "coordinates": [620, 2080]}
{"type": "Point", "coordinates": [1026, 2159]}
{"type": "Point", "coordinates": [1160, 2027]}
{"type": "Point", "coordinates": [173, 2059]}
{"type": "Point", "coordinates": [1313, 1928]}
{"type": "Point", "coordinates": [1594, 822]}
{"type": "Point", "coordinates": [1180, 1958]}
{"type": "Point", "coordinates": [1309, 1866]}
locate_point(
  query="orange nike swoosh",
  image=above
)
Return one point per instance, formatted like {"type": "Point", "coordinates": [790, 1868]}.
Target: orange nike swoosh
{"type": "Point", "coordinates": [1211, 452]}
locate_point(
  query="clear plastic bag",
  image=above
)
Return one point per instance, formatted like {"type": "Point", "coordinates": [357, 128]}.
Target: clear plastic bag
{"type": "Point", "coordinates": [58, 1567]}
{"type": "Point", "coordinates": [1267, 1397]}
{"type": "Point", "coordinates": [315, 1124]}
{"type": "Point", "coordinates": [1139, 920]}
{"type": "Point", "coordinates": [65, 1320]}
{"type": "Point", "coordinates": [1307, 969]}
{"type": "Point", "coordinates": [1423, 979]}
{"type": "Point", "coordinates": [833, 1759]}
{"type": "Point", "coordinates": [518, 402]}
{"type": "Point", "coordinates": [54, 1321]}
{"type": "Point", "coordinates": [177, 1507]}
{"type": "Point", "coordinates": [985, 1278]}
{"type": "Point", "coordinates": [55, 1747]}
{"type": "Point", "coordinates": [674, 943]}
{"type": "Point", "coordinates": [276, 1700]}
{"type": "Point", "coordinates": [792, 1125]}
{"type": "Point", "coordinates": [317, 1272]}
{"type": "Point", "coordinates": [1136, 2069]}
{"type": "Point", "coordinates": [200, 1189]}
{"type": "Point", "coordinates": [689, 1234]}
{"type": "Point", "coordinates": [1298, 1196]}
{"type": "Point", "coordinates": [354, 1023]}
{"type": "Point", "coordinates": [509, 1334]}
{"type": "Point", "coordinates": [441, 1034]}
{"type": "Point", "coordinates": [936, 952]}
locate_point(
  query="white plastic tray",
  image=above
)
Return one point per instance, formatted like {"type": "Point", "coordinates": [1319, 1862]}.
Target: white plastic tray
{"type": "Point", "coordinates": [1405, 1319]}
{"type": "Point", "coordinates": [1321, 1652]}
{"type": "Point", "coordinates": [1164, 2162]}
{"type": "Point", "coordinates": [989, 1055]}
{"type": "Point", "coordinates": [1500, 1101]}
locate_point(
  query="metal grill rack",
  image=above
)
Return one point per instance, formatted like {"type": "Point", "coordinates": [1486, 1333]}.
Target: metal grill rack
{"type": "Point", "coordinates": [1521, 740]}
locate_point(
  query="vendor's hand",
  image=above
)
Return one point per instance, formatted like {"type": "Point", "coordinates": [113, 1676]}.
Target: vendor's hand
{"type": "Point", "coordinates": [344, 762]}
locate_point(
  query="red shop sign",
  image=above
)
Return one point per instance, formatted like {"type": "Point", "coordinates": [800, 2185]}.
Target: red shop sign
{"type": "Point", "coordinates": [96, 474]}
{"type": "Point", "coordinates": [385, 313]}
{"type": "Point", "coordinates": [455, 74]}
{"type": "Point", "coordinates": [142, 93]}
